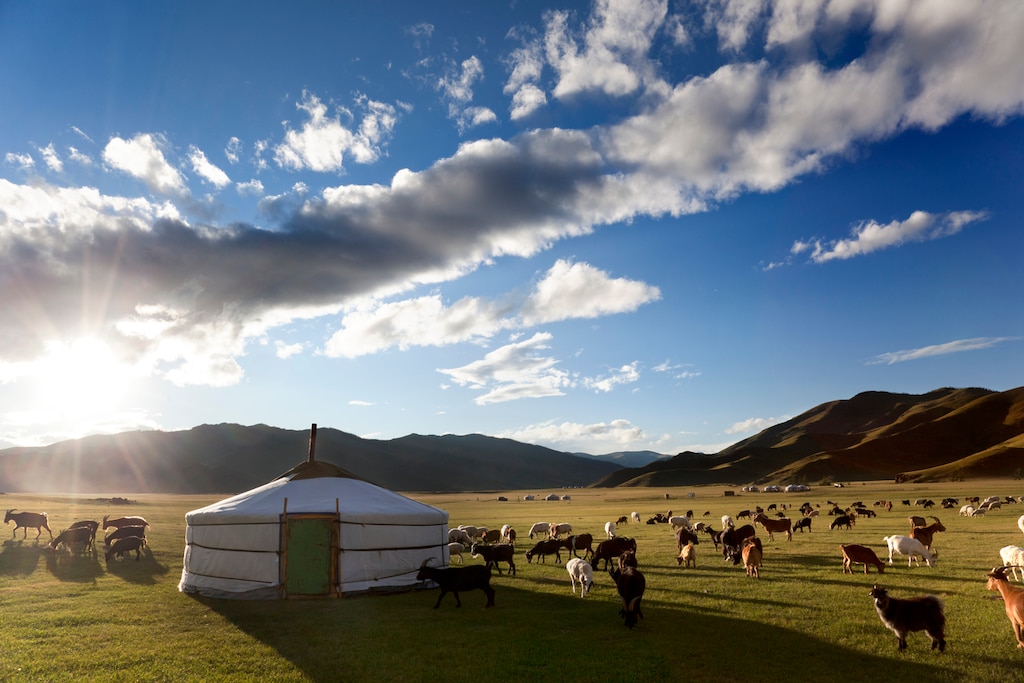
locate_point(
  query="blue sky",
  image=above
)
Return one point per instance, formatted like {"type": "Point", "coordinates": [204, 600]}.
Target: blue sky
{"type": "Point", "coordinates": [592, 226]}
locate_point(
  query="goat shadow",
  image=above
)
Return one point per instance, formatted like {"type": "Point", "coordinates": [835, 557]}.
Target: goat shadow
{"type": "Point", "coordinates": [73, 568]}
{"type": "Point", "coordinates": [143, 571]}
{"type": "Point", "coordinates": [20, 558]}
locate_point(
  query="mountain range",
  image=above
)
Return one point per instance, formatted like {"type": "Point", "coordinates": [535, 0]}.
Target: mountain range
{"type": "Point", "coordinates": [946, 434]}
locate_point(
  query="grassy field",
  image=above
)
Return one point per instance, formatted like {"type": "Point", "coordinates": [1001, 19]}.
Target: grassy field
{"type": "Point", "coordinates": [80, 619]}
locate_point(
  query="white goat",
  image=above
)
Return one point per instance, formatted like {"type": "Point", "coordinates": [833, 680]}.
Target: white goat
{"type": "Point", "coordinates": [967, 511]}
{"type": "Point", "coordinates": [455, 549]}
{"type": "Point", "coordinates": [580, 572]}
{"type": "Point", "coordinates": [1013, 557]}
{"type": "Point", "coordinates": [679, 521]}
{"type": "Point", "coordinates": [540, 528]}
{"type": "Point", "coordinates": [1020, 523]}
{"type": "Point", "coordinates": [727, 523]}
{"type": "Point", "coordinates": [609, 529]}
{"type": "Point", "coordinates": [912, 548]}
{"type": "Point", "coordinates": [636, 518]}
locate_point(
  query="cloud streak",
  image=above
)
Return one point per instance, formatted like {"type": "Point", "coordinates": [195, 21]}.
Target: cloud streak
{"type": "Point", "coordinates": [957, 346]}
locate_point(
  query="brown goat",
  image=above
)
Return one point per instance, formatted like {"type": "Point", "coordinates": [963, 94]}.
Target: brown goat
{"type": "Point", "coordinates": [1013, 599]}
{"type": "Point", "coordinates": [925, 534]}
{"type": "Point", "coordinates": [860, 554]}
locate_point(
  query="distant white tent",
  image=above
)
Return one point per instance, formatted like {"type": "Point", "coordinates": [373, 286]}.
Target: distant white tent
{"type": "Point", "coordinates": [316, 530]}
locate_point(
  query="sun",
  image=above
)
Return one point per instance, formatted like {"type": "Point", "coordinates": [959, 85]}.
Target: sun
{"type": "Point", "coordinates": [81, 379]}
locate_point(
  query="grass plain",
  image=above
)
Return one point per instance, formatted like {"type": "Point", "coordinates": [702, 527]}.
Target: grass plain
{"type": "Point", "coordinates": [64, 618]}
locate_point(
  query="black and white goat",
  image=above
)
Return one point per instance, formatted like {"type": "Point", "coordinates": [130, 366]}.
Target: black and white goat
{"type": "Point", "coordinates": [902, 616]}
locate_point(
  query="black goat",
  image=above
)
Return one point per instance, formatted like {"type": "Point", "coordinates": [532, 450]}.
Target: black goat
{"type": "Point", "coordinates": [631, 584]}
{"type": "Point", "coordinates": [731, 540]}
{"type": "Point", "coordinates": [802, 523]}
{"type": "Point", "coordinates": [841, 520]}
{"type": "Point", "coordinates": [683, 535]}
{"type": "Point", "coordinates": [122, 546]}
{"type": "Point", "coordinates": [453, 580]}
{"type": "Point", "coordinates": [551, 546]}
{"type": "Point", "coordinates": [493, 554]}
{"type": "Point", "coordinates": [584, 542]}
{"type": "Point", "coordinates": [611, 549]}
{"type": "Point", "coordinates": [901, 616]}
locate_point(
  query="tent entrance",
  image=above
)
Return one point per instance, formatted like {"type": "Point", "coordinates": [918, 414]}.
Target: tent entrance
{"type": "Point", "coordinates": [309, 558]}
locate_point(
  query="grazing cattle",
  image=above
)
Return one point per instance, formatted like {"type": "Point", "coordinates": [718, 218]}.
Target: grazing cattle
{"type": "Point", "coordinates": [27, 520]}
{"type": "Point", "coordinates": [609, 530]}
{"type": "Point", "coordinates": [860, 554]}
{"type": "Point", "coordinates": [622, 520]}
{"type": "Point", "coordinates": [784, 525]}
{"type": "Point", "coordinates": [455, 549]}
{"type": "Point", "coordinates": [732, 540]}
{"type": "Point", "coordinates": [551, 546]}
{"type": "Point", "coordinates": [76, 540]}
{"type": "Point", "coordinates": [841, 520]}
{"type": "Point", "coordinates": [584, 542]}
{"type": "Point", "coordinates": [123, 546]}
{"type": "Point", "coordinates": [802, 523]}
{"type": "Point", "coordinates": [540, 528]}
{"type": "Point", "coordinates": [457, 581]}
{"type": "Point", "coordinates": [912, 548]}
{"type": "Point", "coordinates": [582, 573]}
{"type": "Point", "coordinates": [630, 583]}
{"type": "Point", "coordinates": [752, 555]}
{"type": "Point", "coordinates": [119, 522]}
{"type": "Point", "coordinates": [493, 554]}
{"type": "Point", "coordinates": [124, 532]}
{"type": "Point", "coordinates": [687, 555]}
{"type": "Point", "coordinates": [902, 616]}
{"type": "Point", "coordinates": [612, 548]}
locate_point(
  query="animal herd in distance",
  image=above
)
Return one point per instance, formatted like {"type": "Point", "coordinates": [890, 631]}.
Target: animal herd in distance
{"type": "Point", "coordinates": [738, 545]}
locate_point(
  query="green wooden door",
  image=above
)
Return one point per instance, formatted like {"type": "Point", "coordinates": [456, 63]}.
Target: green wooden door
{"type": "Point", "coordinates": [309, 556]}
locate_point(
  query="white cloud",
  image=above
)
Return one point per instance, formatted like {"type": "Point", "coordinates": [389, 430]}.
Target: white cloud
{"type": "Point", "coordinates": [597, 437]}
{"type": "Point", "coordinates": [23, 161]}
{"type": "Point", "coordinates": [323, 141]}
{"type": "Point", "coordinates": [285, 351]}
{"type": "Point", "coordinates": [79, 157]}
{"type": "Point", "coordinates": [754, 425]}
{"type": "Point", "coordinates": [457, 89]}
{"type": "Point", "coordinates": [957, 346]}
{"type": "Point", "coordinates": [251, 187]}
{"type": "Point", "coordinates": [51, 158]}
{"type": "Point", "coordinates": [578, 290]}
{"type": "Point", "coordinates": [514, 371]}
{"type": "Point", "coordinates": [142, 157]}
{"type": "Point", "coordinates": [627, 374]}
{"type": "Point", "coordinates": [207, 171]}
{"type": "Point", "coordinates": [871, 236]}
{"type": "Point", "coordinates": [526, 67]}
{"type": "Point", "coordinates": [233, 150]}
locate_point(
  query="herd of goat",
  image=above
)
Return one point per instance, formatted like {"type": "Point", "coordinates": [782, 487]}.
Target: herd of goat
{"type": "Point", "coordinates": [738, 544]}
{"type": "Point", "coordinates": [129, 534]}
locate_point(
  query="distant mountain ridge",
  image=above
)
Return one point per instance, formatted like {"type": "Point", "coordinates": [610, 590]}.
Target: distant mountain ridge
{"type": "Point", "coordinates": [228, 458]}
{"type": "Point", "coordinates": [944, 434]}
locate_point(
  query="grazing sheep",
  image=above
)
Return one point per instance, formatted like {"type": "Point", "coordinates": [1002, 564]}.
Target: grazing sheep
{"type": "Point", "coordinates": [1013, 600]}
{"type": "Point", "coordinates": [582, 573]}
{"type": "Point", "coordinates": [727, 522]}
{"type": "Point", "coordinates": [635, 516]}
{"type": "Point", "coordinates": [687, 556]}
{"type": "Point", "coordinates": [967, 511]}
{"type": "Point", "coordinates": [455, 549]}
{"type": "Point", "coordinates": [1013, 559]}
{"type": "Point", "coordinates": [609, 529]}
{"type": "Point", "coordinates": [903, 616]}
{"type": "Point", "coordinates": [540, 529]}
{"type": "Point", "coordinates": [679, 522]}
{"type": "Point", "coordinates": [459, 536]}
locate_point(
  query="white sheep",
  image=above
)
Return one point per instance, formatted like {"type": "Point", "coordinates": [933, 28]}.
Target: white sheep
{"type": "Point", "coordinates": [609, 529]}
{"type": "Point", "coordinates": [540, 528]}
{"type": "Point", "coordinates": [455, 549]}
{"type": "Point", "coordinates": [636, 518]}
{"type": "Point", "coordinates": [980, 512]}
{"type": "Point", "coordinates": [580, 572]}
{"type": "Point", "coordinates": [460, 536]}
{"type": "Point", "coordinates": [727, 523]}
{"type": "Point", "coordinates": [967, 511]}
{"type": "Point", "coordinates": [912, 548]}
{"type": "Point", "coordinates": [1013, 557]}
{"type": "Point", "coordinates": [1020, 523]}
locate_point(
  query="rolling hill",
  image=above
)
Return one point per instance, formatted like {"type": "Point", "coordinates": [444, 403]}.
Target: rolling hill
{"type": "Point", "coordinates": [227, 458]}
{"type": "Point", "coordinates": [945, 434]}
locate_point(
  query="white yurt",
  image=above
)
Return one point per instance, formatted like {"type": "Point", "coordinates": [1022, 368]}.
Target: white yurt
{"type": "Point", "coordinates": [315, 531]}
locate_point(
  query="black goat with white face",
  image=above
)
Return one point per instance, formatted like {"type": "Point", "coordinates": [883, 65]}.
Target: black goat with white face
{"type": "Point", "coordinates": [903, 616]}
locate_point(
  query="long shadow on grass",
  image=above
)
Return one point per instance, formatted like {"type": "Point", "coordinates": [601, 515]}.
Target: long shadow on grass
{"type": "Point", "coordinates": [143, 571]}
{"type": "Point", "coordinates": [526, 638]}
{"type": "Point", "coordinates": [73, 568]}
{"type": "Point", "coordinates": [20, 558]}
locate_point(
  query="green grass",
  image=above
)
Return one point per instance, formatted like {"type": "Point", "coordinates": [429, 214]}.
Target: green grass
{"type": "Point", "coordinates": [81, 619]}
